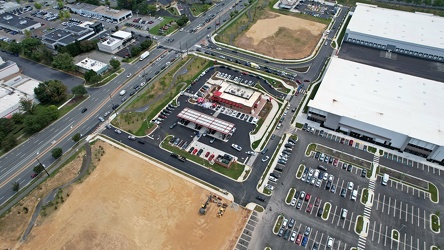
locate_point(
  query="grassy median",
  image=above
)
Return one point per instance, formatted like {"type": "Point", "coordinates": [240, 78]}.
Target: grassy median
{"type": "Point", "coordinates": [290, 195]}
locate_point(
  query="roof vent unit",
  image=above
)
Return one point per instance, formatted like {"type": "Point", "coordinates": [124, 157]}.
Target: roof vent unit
{"type": "Point", "coordinates": [7, 17]}
{"type": "Point", "coordinates": [23, 22]}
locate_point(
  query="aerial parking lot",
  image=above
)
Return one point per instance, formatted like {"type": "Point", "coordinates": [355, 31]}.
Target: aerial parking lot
{"type": "Point", "coordinates": [331, 189]}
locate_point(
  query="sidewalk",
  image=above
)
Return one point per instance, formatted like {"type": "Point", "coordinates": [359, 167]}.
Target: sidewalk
{"type": "Point", "coordinates": [264, 129]}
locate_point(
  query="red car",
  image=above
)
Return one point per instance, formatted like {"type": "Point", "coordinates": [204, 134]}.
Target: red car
{"type": "Point", "coordinates": [306, 80]}
{"type": "Point", "coordinates": [34, 175]}
{"type": "Point", "coordinates": [350, 143]}
{"type": "Point", "coordinates": [335, 162]}
{"type": "Point", "coordinates": [194, 151]}
{"type": "Point", "coordinates": [211, 157]}
{"type": "Point", "coordinates": [298, 239]}
{"type": "Point", "coordinates": [299, 81]}
{"type": "Point", "coordinates": [207, 154]}
{"type": "Point", "coordinates": [317, 201]}
{"type": "Point", "coordinates": [307, 197]}
{"type": "Point", "coordinates": [309, 208]}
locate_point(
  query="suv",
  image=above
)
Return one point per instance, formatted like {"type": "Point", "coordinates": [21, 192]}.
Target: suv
{"type": "Point", "coordinates": [343, 192]}
{"type": "Point", "coordinates": [344, 213]}
{"type": "Point", "coordinates": [291, 223]}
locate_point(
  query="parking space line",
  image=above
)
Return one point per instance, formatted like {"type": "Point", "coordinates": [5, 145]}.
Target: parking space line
{"type": "Point", "coordinates": [411, 242]}
{"type": "Point", "coordinates": [316, 234]}
{"type": "Point", "coordinates": [417, 243]}
{"type": "Point", "coordinates": [377, 203]}
{"type": "Point", "coordinates": [379, 233]}
{"type": "Point", "coordinates": [406, 213]}
{"type": "Point", "coordinates": [412, 213]}
{"type": "Point", "coordinates": [400, 209]}
{"type": "Point", "coordinates": [425, 221]}
{"type": "Point", "coordinates": [418, 216]}
{"type": "Point", "coordinates": [413, 191]}
{"type": "Point", "coordinates": [373, 234]}
{"type": "Point", "coordinates": [385, 236]}
{"type": "Point", "coordinates": [402, 188]}
{"type": "Point", "coordinates": [345, 246]}
{"type": "Point", "coordinates": [394, 209]}
{"type": "Point", "coordinates": [407, 188]}
{"type": "Point", "coordinates": [334, 215]}
{"type": "Point", "coordinates": [383, 203]}
{"type": "Point", "coordinates": [349, 225]}
{"type": "Point", "coordinates": [388, 206]}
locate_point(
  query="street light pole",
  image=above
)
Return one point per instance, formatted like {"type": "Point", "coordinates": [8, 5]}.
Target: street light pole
{"type": "Point", "coordinates": [43, 166]}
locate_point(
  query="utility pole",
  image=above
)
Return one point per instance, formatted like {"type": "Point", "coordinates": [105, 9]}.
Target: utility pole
{"type": "Point", "coordinates": [43, 166]}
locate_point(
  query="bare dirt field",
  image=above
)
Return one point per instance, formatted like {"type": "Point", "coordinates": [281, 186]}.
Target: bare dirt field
{"type": "Point", "coordinates": [129, 203]}
{"type": "Point", "coordinates": [281, 36]}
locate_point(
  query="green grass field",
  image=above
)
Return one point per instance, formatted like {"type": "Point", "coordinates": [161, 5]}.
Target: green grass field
{"type": "Point", "coordinates": [156, 29]}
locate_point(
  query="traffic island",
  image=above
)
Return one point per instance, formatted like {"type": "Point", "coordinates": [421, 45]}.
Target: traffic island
{"type": "Point", "coordinates": [367, 197]}
{"type": "Point", "coordinates": [395, 235]}
{"type": "Point", "coordinates": [300, 171]}
{"type": "Point", "coordinates": [326, 212]}
{"type": "Point", "coordinates": [278, 224]}
{"type": "Point", "coordinates": [435, 224]}
{"type": "Point", "coordinates": [290, 195]}
{"type": "Point", "coordinates": [361, 226]}
{"type": "Point", "coordinates": [311, 147]}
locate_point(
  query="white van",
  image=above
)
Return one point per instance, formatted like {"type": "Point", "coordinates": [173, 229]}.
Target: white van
{"type": "Point", "coordinates": [284, 223]}
{"type": "Point", "coordinates": [385, 179]}
{"type": "Point", "coordinates": [354, 195]}
{"type": "Point", "coordinates": [122, 93]}
{"type": "Point", "coordinates": [330, 242]}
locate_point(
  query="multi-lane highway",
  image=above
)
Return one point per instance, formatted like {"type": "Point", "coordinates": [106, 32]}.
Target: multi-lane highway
{"type": "Point", "coordinates": [18, 163]}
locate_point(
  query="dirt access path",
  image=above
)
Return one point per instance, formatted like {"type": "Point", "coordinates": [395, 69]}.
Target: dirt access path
{"type": "Point", "coordinates": [128, 203]}
{"type": "Point", "coordinates": [281, 36]}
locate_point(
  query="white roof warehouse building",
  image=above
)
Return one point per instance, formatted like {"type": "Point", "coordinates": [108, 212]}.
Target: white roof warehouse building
{"type": "Point", "coordinates": [415, 34]}
{"type": "Point", "coordinates": [382, 106]}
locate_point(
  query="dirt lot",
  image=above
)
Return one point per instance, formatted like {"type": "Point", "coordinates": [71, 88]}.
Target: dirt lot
{"type": "Point", "coordinates": [13, 224]}
{"type": "Point", "coordinates": [281, 36]}
{"type": "Point", "coordinates": [128, 203]}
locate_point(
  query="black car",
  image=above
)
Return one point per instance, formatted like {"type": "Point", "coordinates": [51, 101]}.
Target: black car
{"type": "Point", "coordinates": [174, 155]}
{"type": "Point", "coordinates": [364, 173]}
{"type": "Point", "coordinates": [115, 106]}
{"type": "Point", "coordinates": [275, 175]}
{"type": "Point", "coordinates": [328, 186]}
{"type": "Point", "coordinates": [343, 192]}
{"type": "Point", "coordinates": [260, 198]}
{"type": "Point", "coordinates": [317, 155]}
{"type": "Point", "coordinates": [191, 150]}
{"type": "Point", "coordinates": [320, 211]}
{"type": "Point", "coordinates": [141, 141]}
{"type": "Point", "coordinates": [279, 169]}
{"type": "Point", "coordinates": [349, 167]}
{"type": "Point", "coordinates": [84, 110]}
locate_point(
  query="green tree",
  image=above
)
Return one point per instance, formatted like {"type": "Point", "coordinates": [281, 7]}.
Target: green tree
{"type": "Point", "coordinates": [182, 20]}
{"type": "Point", "coordinates": [18, 118]}
{"type": "Point", "coordinates": [151, 9]}
{"type": "Point", "coordinates": [64, 61]}
{"type": "Point", "coordinates": [27, 105]}
{"type": "Point", "coordinates": [9, 142]}
{"type": "Point", "coordinates": [95, 79]}
{"type": "Point", "coordinates": [88, 75]}
{"type": "Point", "coordinates": [79, 90]}
{"type": "Point", "coordinates": [30, 45]}
{"type": "Point", "coordinates": [135, 51]}
{"type": "Point", "coordinates": [56, 152]}
{"type": "Point", "coordinates": [14, 48]}
{"type": "Point", "coordinates": [37, 5]}
{"type": "Point", "coordinates": [15, 186]}
{"type": "Point", "coordinates": [60, 4]}
{"type": "Point", "coordinates": [115, 63]}
{"type": "Point", "coordinates": [27, 33]}
{"type": "Point", "coordinates": [145, 44]}
{"type": "Point", "coordinates": [76, 137]}
{"type": "Point", "coordinates": [52, 91]}
{"type": "Point", "coordinates": [38, 168]}
{"type": "Point", "coordinates": [6, 125]}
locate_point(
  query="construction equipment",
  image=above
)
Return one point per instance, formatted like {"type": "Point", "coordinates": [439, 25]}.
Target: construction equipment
{"type": "Point", "coordinates": [203, 209]}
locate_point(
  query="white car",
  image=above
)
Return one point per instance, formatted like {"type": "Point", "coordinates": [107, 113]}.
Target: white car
{"type": "Point", "coordinates": [250, 153]}
{"type": "Point", "coordinates": [265, 158]}
{"type": "Point", "coordinates": [129, 75]}
{"type": "Point", "coordinates": [101, 119]}
{"type": "Point", "coordinates": [318, 183]}
{"type": "Point", "coordinates": [236, 147]}
{"type": "Point", "coordinates": [118, 131]}
{"type": "Point", "coordinates": [273, 179]}
{"type": "Point", "coordinates": [293, 236]}
{"type": "Point", "coordinates": [270, 187]}
{"type": "Point", "coordinates": [325, 177]}
{"type": "Point", "coordinates": [293, 202]}
{"type": "Point", "coordinates": [350, 185]}
{"type": "Point", "coordinates": [331, 178]}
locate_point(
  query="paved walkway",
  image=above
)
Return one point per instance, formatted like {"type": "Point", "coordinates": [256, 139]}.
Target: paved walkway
{"type": "Point", "coordinates": [51, 195]}
{"type": "Point", "coordinates": [264, 129]}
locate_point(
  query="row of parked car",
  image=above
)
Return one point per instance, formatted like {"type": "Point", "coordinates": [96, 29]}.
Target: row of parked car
{"type": "Point", "coordinates": [288, 232]}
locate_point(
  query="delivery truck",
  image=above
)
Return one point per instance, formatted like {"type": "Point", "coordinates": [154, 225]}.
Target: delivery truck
{"type": "Point", "coordinates": [144, 55]}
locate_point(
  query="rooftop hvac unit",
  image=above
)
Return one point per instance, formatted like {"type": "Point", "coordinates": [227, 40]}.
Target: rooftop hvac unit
{"type": "Point", "coordinates": [7, 17]}
{"type": "Point", "coordinates": [23, 22]}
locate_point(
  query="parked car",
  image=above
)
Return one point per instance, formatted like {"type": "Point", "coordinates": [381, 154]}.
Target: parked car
{"type": "Point", "coordinates": [309, 208]}
{"type": "Point", "coordinates": [293, 236]}
{"type": "Point", "coordinates": [364, 173]}
{"type": "Point", "coordinates": [265, 158]}
{"type": "Point", "coordinates": [236, 147]}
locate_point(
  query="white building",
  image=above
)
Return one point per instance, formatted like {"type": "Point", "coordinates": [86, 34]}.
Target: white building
{"type": "Point", "coordinates": [115, 42]}
{"type": "Point", "coordinates": [101, 12]}
{"type": "Point", "coordinates": [381, 106]}
{"type": "Point", "coordinates": [91, 64]}
{"type": "Point", "coordinates": [415, 34]}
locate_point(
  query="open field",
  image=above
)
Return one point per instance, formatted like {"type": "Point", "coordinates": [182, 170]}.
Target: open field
{"type": "Point", "coordinates": [281, 36]}
{"type": "Point", "coordinates": [129, 203]}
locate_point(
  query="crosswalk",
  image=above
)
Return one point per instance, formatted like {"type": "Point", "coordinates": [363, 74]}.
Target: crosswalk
{"type": "Point", "coordinates": [368, 209]}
